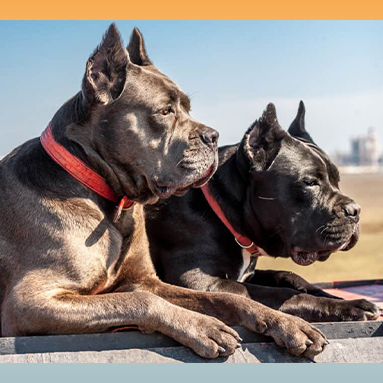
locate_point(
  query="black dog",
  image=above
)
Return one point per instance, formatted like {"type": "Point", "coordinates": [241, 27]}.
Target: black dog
{"type": "Point", "coordinates": [279, 189]}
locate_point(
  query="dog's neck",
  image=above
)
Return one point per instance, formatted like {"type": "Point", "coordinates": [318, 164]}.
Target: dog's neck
{"type": "Point", "coordinates": [229, 188]}
{"type": "Point", "coordinates": [72, 128]}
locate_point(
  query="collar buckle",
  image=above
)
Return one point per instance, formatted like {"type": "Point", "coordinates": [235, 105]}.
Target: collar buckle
{"type": "Point", "coordinates": [243, 246]}
{"type": "Point", "coordinates": [124, 205]}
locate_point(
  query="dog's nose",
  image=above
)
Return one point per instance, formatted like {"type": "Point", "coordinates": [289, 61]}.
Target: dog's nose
{"type": "Point", "coordinates": [209, 136]}
{"type": "Point", "coordinates": [351, 209]}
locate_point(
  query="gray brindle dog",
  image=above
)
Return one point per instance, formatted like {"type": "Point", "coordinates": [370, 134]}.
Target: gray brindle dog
{"type": "Point", "coordinates": [65, 266]}
{"type": "Point", "coordinates": [279, 190]}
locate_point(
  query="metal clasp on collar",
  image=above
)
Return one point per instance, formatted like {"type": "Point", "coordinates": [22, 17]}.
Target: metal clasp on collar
{"type": "Point", "coordinates": [243, 246]}
{"type": "Point", "coordinates": [120, 208]}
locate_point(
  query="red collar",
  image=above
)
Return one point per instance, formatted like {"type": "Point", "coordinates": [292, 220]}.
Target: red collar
{"type": "Point", "coordinates": [242, 241]}
{"type": "Point", "coordinates": [79, 170]}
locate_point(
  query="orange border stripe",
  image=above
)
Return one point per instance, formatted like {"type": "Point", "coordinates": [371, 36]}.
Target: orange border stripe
{"type": "Point", "coordinates": [191, 10]}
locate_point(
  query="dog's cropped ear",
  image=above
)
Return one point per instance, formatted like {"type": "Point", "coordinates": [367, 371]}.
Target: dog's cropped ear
{"type": "Point", "coordinates": [261, 142]}
{"type": "Point", "coordinates": [137, 50]}
{"type": "Point", "coordinates": [297, 128]}
{"type": "Point", "coordinates": [106, 70]}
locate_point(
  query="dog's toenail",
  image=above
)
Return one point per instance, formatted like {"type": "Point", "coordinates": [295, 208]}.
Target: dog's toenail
{"type": "Point", "coordinates": [221, 349]}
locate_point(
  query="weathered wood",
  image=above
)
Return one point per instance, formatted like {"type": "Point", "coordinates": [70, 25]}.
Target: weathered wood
{"type": "Point", "coordinates": [344, 350]}
{"type": "Point", "coordinates": [250, 353]}
{"type": "Point", "coordinates": [136, 340]}
{"type": "Point", "coordinates": [85, 342]}
{"type": "Point", "coordinates": [351, 330]}
{"type": "Point", "coordinates": [359, 350]}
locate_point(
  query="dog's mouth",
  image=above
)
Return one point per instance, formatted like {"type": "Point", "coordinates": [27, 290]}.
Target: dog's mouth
{"type": "Point", "coordinates": [305, 258]}
{"type": "Point", "coordinates": [352, 242]}
{"type": "Point", "coordinates": [335, 236]}
{"type": "Point", "coordinates": [165, 191]}
{"type": "Point", "coordinates": [204, 179]}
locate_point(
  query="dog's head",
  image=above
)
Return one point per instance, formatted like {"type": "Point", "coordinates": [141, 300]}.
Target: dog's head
{"type": "Point", "coordinates": [136, 128]}
{"type": "Point", "coordinates": [293, 195]}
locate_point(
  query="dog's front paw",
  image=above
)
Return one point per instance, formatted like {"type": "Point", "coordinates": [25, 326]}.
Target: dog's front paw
{"type": "Point", "coordinates": [356, 310]}
{"type": "Point", "coordinates": [298, 336]}
{"type": "Point", "coordinates": [208, 337]}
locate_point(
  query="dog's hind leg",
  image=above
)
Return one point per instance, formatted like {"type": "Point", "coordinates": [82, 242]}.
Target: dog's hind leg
{"type": "Point", "coordinates": [65, 312]}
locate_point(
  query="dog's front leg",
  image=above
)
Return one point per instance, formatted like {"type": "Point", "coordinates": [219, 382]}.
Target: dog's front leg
{"type": "Point", "coordinates": [309, 307]}
{"type": "Point", "coordinates": [288, 331]}
{"type": "Point", "coordinates": [290, 301]}
{"type": "Point", "coordinates": [276, 278]}
{"type": "Point", "coordinates": [69, 313]}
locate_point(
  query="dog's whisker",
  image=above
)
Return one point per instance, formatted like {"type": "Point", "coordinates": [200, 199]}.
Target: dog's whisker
{"type": "Point", "coordinates": [179, 162]}
{"type": "Point", "coordinates": [275, 233]}
{"type": "Point", "coordinates": [325, 240]}
{"type": "Point", "coordinates": [326, 228]}
{"type": "Point", "coordinates": [320, 227]}
{"type": "Point", "coordinates": [267, 198]}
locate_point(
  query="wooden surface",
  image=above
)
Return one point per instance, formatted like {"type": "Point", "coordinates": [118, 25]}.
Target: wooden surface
{"type": "Point", "coordinates": [349, 342]}
{"type": "Point", "coordinates": [354, 350]}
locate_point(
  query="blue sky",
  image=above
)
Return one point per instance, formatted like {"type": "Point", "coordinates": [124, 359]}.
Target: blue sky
{"type": "Point", "coordinates": [231, 70]}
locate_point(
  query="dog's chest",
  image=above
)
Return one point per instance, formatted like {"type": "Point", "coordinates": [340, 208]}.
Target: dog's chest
{"type": "Point", "coordinates": [249, 263]}
{"type": "Point", "coordinates": [96, 250]}
{"type": "Point", "coordinates": [99, 261]}
{"type": "Point", "coordinates": [132, 261]}
{"type": "Point", "coordinates": [248, 266]}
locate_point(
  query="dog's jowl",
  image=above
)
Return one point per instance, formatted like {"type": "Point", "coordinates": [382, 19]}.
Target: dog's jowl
{"type": "Point", "coordinates": [275, 193]}
{"type": "Point", "coordinates": [74, 255]}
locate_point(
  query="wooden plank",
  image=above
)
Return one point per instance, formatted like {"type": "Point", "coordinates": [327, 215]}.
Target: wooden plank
{"type": "Point", "coordinates": [359, 350]}
{"type": "Point", "coordinates": [351, 330]}
{"type": "Point", "coordinates": [137, 340]}
{"type": "Point", "coordinates": [338, 351]}
{"type": "Point", "coordinates": [249, 353]}
{"type": "Point", "coordinates": [84, 342]}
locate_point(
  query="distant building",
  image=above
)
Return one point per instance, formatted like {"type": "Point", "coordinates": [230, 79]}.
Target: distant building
{"type": "Point", "coordinates": [365, 151]}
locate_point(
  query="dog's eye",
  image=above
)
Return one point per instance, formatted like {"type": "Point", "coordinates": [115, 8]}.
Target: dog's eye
{"type": "Point", "coordinates": [166, 111]}
{"type": "Point", "coordinates": [311, 182]}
